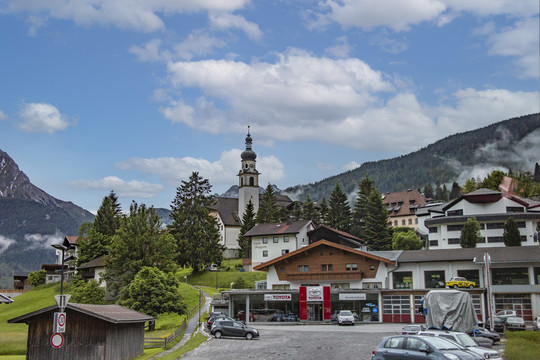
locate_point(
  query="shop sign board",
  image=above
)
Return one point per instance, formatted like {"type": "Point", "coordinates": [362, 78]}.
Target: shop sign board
{"type": "Point", "coordinates": [277, 297]}
{"type": "Point", "coordinates": [350, 297]}
{"type": "Point", "coordinates": [314, 293]}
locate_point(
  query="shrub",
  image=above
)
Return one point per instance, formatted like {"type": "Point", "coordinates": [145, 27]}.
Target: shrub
{"type": "Point", "coordinates": [90, 292]}
{"type": "Point", "coordinates": [36, 278]}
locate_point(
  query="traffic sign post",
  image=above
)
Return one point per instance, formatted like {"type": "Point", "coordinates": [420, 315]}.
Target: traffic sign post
{"type": "Point", "coordinates": [59, 325]}
{"type": "Point", "coordinates": [57, 340]}
{"type": "Point", "coordinates": [62, 300]}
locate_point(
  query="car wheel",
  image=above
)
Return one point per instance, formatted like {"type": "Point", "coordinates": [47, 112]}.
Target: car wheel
{"type": "Point", "coordinates": [218, 334]}
{"type": "Point", "coordinates": [249, 336]}
{"type": "Point", "coordinates": [471, 287]}
{"type": "Point", "coordinates": [455, 286]}
{"type": "Point", "coordinates": [278, 319]}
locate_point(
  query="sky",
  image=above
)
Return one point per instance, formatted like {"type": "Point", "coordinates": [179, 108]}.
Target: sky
{"type": "Point", "coordinates": [133, 96]}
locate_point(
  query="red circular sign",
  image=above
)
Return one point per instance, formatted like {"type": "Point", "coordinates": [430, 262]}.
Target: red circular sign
{"type": "Point", "coordinates": [61, 319]}
{"type": "Point", "coordinates": [57, 340]}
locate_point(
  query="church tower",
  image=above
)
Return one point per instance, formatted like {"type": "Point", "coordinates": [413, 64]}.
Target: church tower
{"type": "Point", "coordinates": [248, 186]}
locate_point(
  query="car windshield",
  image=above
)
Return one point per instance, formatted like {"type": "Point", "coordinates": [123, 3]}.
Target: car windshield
{"type": "Point", "coordinates": [411, 327]}
{"type": "Point", "coordinates": [442, 344]}
{"type": "Point", "coordinates": [345, 313]}
{"type": "Point", "coordinates": [466, 340]}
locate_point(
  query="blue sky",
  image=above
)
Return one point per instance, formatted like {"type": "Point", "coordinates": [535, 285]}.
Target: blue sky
{"type": "Point", "coordinates": [135, 95]}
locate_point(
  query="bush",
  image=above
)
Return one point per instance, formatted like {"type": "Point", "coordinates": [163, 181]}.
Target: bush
{"type": "Point", "coordinates": [90, 292]}
{"type": "Point", "coordinates": [154, 292]}
{"type": "Point", "coordinates": [240, 283]}
{"type": "Point", "coordinates": [36, 278]}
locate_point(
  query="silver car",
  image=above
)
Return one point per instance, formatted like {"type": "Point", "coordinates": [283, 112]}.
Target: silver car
{"type": "Point", "coordinates": [466, 341]}
{"type": "Point", "coordinates": [345, 317]}
{"type": "Point", "coordinates": [515, 323]}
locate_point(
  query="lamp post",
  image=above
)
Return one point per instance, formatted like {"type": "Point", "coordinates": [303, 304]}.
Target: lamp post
{"type": "Point", "coordinates": [63, 249]}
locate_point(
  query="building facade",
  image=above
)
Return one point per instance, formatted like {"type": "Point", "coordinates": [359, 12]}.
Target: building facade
{"type": "Point", "coordinates": [402, 207]}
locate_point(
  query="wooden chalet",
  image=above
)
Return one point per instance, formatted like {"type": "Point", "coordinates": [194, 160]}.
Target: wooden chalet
{"type": "Point", "coordinates": [93, 332]}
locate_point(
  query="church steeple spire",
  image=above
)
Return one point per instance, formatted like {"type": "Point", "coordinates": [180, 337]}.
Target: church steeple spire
{"type": "Point", "coordinates": [248, 184]}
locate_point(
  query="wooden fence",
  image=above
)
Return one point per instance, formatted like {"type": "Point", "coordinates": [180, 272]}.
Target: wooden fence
{"type": "Point", "coordinates": [163, 342]}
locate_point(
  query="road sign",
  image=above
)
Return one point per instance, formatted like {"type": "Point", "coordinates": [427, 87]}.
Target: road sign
{"type": "Point", "coordinates": [59, 325]}
{"type": "Point", "coordinates": [57, 340]}
{"type": "Point", "coordinates": [62, 300]}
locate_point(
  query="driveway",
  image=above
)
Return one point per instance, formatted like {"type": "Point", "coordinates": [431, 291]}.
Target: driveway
{"type": "Point", "coordinates": [299, 342]}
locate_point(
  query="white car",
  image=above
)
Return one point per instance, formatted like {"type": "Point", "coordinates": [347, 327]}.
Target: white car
{"type": "Point", "coordinates": [536, 323]}
{"type": "Point", "coordinates": [464, 340]}
{"type": "Point", "coordinates": [345, 317]}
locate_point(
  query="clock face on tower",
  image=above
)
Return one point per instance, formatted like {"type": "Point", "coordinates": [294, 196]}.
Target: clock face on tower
{"type": "Point", "coordinates": [251, 166]}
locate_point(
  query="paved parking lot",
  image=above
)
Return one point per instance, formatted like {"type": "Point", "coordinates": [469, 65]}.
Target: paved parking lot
{"type": "Point", "coordinates": [299, 342]}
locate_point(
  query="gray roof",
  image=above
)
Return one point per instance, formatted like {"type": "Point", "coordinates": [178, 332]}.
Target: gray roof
{"type": "Point", "coordinates": [5, 299]}
{"type": "Point", "coordinates": [388, 254]}
{"type": "Point", "coordinates": [277, 228]}
{"type": "Point", "coordinates": [92, 264]}
{"type": "Point", "coordinates": [111, 313]}
{"type": "Point", "coordinates": [21, 273]}
{"type": "Point", "coordinates": [227, 209]}
{"type": "Point", "coordinates": [461, 219]}
{"type": "Point", "coordinates": [498, 254]}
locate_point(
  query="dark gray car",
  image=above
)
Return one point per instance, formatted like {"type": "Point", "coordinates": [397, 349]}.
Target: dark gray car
{"type": "Point", "coordinates": [415, 347]}
{"type": "Point", "coordinates": [233, 328]}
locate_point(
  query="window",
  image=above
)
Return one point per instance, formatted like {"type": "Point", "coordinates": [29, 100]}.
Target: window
{"type": "Point", "coordinates": [285, 239]}
{"type": "Point", "coordinates": [372, 285]}
{"type": "Point", "coordinates": [492, 226]}
{"type": "Point", "coordinates": [403, 222]}
{"type": "Point", "coordinates": [455, 212]}
{"type": "Point", "coordinates": [281, 286]}
{"type": "Point", "coordinates": [371, 267]}
{"type": "Point", "coordinates": [350, 267]}
{"type": "Point", "coordinates": [514, 209]}
{"type": "Point", "coordinates": [394, 343]}
{"type": "Point", "coordinates": [265, 240]}
{"type": "Point", "coordinates": [433, 230]}
{"type": "Point", "coordinates": [495, 239]}
{"type": "Point", "coordinates": [326, 267]}
{"type": "Point", "coordinates": [410, 221]}
{"type": "Point", "coordinates": [403, 280]}
{"type": "Point", "coordinates": [434, 279]}
{"type": "Point", "coordinates": [265, 253]}
{"type": "Point", "coordinates": [341, 286]}
{"type": "Point", "coordinates": [251, 181]}
{"type": "Point", "coordinates": [395, 223]}
{"type": "Point", "coordinates": [303, 268]}
{"type": "Point", "coordinates": [453, 241]}
{"type": "Point", "coordinates": [471, 275]}
{"type": "Point", "coordinates": [284, 251]}
{"type": "Point", "coordinates": [457, 227]}
{"type": "Point", "coordinates": [282, 270]}
{"type": "Point", "coordinates": [354, 266]}
{"type": "Point", "coordinates": [510, 276]}
{"type": "Point", "coordinates": [537, 275]}
{"type": "Point", "coordinates": [521, 224]}
{"type": "Point", "coordinates": [276, 239]}
{"type": "Point", "coordinates": [433, 243]}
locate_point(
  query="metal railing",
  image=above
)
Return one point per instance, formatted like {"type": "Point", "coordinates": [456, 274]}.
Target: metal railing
{"type": "Point", "coordinates": [154, 342]}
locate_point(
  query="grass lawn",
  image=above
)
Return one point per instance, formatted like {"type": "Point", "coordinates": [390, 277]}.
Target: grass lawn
{"type": "Point", "coordinates": [223, 279]}
{"type": "Point", "coordinates": [13, 336]}
{"type": "Point", "coordinates": [522, 345]}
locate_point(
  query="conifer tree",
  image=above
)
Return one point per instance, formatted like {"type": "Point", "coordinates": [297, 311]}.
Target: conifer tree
{"type": "Point", "coordinates": [268, 209]}
{"type": "Point", "coordinates": [493, 180]}
{"type": "Point", "coordinates": [195, 230]}
{"type": "Point", "coordinates": [339, 212]}
{"type": "Point", "coordinates": [428, 191]}
{"type": "Point", "coordinates": [536, 176]}
{"type": "Point", "coordinates": [309, 212]}
{"type": "Point", "coordinates": [360, 207]}
{"type": "Point", "coordinates": [377, 232]}
{"type": "Point", "coordinates": [296, 213]}
{"type": "Point", "coordinates": [511, 234]}
{"type": "Point", "coordinates": [248, 222]}
{"type": "Point", "coordinates": [323, 212]}
{"type": "Point", "coordinates": [455, 192]}
{"type": "Point", "coordinates": [107, 219]}
{"type": "Point", "coordinates": [470, 233]}
{"type": "Point", "coordinates": [470, 186]}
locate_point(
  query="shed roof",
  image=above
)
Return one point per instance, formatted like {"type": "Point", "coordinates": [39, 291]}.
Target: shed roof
{"type": "Point", "coordinates": [115, 314]}
{"type": "Point", "coordinates": [502, 255]}
{"type": "Point", "coordinates": [92, 264]}
{"type": "Point", "coordinates": [278, 228]}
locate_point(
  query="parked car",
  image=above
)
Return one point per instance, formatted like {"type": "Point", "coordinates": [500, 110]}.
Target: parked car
{"type": "Point", "coordinates": [233, 328]}
{"type": "Point", "coordinates": [421, 347]}
{"type": "Point", "coordinates": [213, 318]}
{"type": "Point", "coordinates": [466, 341]}
{"type": "Point", "coordinates": [241, 315]}
{"type": "Point", "coordinates": [412, 329]}
{"type": "Point", "coordinates": [284, 317]}
{"type": "Point", "coordinates": [345, 317]}
{"type": "Point", "coordinates": [460, 282]}
{"type": "Point", "coordinates": [536, 323]}
{"type": "Point", "coordinates": [498, 324]}
{"type": "Point", "coordinates": [483, 341]}
{"type": "Point", "coordinates": [212, 267]}
{"type": "Point", "coordinates": [484, 333]}
{"type": "Point", "coordinates": [505, 314]}
{"type": "Point", "coordinates": [515, 323]}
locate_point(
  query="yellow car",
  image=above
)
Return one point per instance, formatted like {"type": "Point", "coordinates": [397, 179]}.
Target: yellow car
{"type": "Point", "coordinates": [460, 282]}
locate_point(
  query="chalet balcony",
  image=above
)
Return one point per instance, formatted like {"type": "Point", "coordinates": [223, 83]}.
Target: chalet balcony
{"type": "Point", "coordinates": [325, 275]}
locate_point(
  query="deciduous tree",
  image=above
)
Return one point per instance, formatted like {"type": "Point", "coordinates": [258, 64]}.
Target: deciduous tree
{"type": "Point", "coordinates": [406, 241]}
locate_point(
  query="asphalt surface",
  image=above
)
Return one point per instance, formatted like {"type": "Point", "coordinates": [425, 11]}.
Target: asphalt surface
{"type": "Point", "coordinates": [299, 342]}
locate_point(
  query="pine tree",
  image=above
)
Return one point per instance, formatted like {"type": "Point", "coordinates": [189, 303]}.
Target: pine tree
{"type": "Point", "coordinates": [377, 232]}
{"type": "Point", "coordinates": [195, 230]}
{"type": "Point", "coordinates": [470, 186]}
{"type": "Point", "coordinates": [137, 243]}
{"type": "Point", "coordinates": [268, 209]}
{"type": "Point", "coordinates": [455, 192]}
{"type": "Point", "coordinates": [439, 192]}
{"type": "Point", "coordinates": [248, 222]}
{"type": "Point", "coordinates": [536, 177]}
{"type": "Point", "coordinates": [445, 193]}
{"type": "Point", "coordinates": [107, 219]}
{"type": "Point", "coordinates": [360, 207]}
{"type": "Point", "coordinates": [470, 233]}
{"type": "Point", "coordinates": [309, 212]}
{"type": "Point", "coordinates": [323, 212]}
{"type": "Point", "coordinates": [428, 191]}
{"type": "Point", "coordinates": [339, 214]}
{"type": "Point", "coordinates": [493, 180]}
{"type": "Point", "coordinates": [296, 213]}
{"type": "Point", "coordinates": [511, 234]}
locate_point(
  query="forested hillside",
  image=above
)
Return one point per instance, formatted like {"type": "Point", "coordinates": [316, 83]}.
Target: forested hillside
{"type": "Point", "coordinates": [440, 162]}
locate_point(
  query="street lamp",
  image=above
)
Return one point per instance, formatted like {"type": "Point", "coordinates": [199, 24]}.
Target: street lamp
{"type": "Point", "coordinates": [63, 249]}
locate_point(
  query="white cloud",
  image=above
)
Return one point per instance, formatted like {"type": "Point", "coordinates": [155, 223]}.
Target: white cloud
{"type": "Point", "coordinates": [493, 7]}
{"type": "Point", "coordinates": [121, 187]}
{"type": "Point", "coordinates": [43, 241]}
{"type": "Point", "coordinates": [351, 166]}
{"type": "Point", "coordinates": [221, 172]}
{"type": "Point", "coordinates": [198, 43]}
{"type": "Point", "coordinates": [521, 42]}
{"type": "Point", "coordinates": [137, 15]}
{"type": "Point", "coordinates": [151, 51]}
{"type": "Point", "coordinates": [5, 242]}
{"type": "Point", "coordinates": [3, 116]}
{"type": "Point", "coordinates": [341, 49]}
{"type": "Point", "coordinates": [41, 117]}
{"type": "Point", "coordinates": [223, 20]}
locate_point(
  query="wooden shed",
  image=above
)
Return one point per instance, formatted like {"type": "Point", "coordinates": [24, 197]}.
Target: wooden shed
{"type": "Point", "coordinates": [93, 332]}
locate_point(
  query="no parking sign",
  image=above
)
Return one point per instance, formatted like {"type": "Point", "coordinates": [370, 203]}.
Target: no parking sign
{"type": "Point", "coordinates": [59, 325]}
